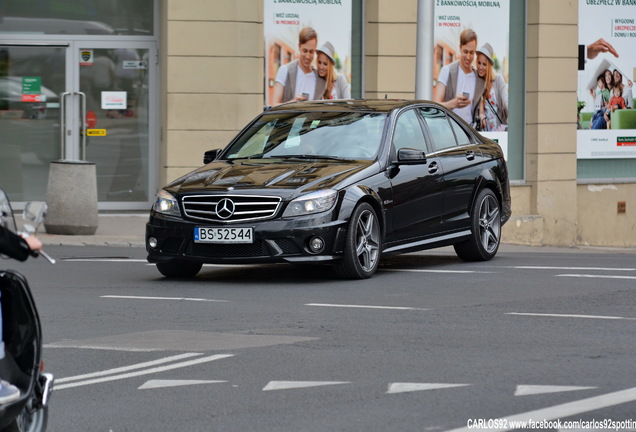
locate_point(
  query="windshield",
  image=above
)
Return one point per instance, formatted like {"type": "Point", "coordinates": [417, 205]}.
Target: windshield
{"type": "Point", "coordinates": [337, 135]}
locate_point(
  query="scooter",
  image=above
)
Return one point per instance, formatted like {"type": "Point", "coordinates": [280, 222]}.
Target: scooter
{"type": "Point", "coordinates": [22, 364]}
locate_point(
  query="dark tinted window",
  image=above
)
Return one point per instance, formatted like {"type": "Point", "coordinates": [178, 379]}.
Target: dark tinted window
{"type": "Point", "coordinates": [408, 132]}
{"type": "Point", "coordinates": [439, 128]}
{"type": "Point", "coordinates": [460, 133]}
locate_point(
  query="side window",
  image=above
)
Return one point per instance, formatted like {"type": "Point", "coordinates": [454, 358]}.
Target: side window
{"type": "Point", "coordinates": [460, 133]}
{"type": "Point", "coordinates": [408, 132]}
{"type": "Point", "coordinates": [440, 129]}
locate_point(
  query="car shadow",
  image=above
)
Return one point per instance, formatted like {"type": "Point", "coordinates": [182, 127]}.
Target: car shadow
{"type": "Point", "coordinates": [306, 273]}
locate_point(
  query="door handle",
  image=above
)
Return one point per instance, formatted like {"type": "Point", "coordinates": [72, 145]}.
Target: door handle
{"type": "Point", "coordinates": [470, 155]}
{"type": "Point", "coordinates": [432, 167]}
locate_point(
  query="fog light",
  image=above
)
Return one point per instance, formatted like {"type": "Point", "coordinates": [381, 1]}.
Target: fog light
{"type": "Point", "coordinates": [152, 242]}
{"type": "Point", "coordinates": [316, 244]}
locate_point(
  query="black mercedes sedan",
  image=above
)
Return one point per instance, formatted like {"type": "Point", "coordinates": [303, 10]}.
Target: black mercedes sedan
{"type": "Point", "coordinates": [343, 183]}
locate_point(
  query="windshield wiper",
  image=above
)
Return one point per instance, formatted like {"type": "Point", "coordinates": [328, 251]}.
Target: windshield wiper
{"type": "Point", "coordinates": [299, 156]}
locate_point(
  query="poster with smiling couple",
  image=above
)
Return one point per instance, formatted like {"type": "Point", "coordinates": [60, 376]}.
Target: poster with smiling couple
{"type": "Point", "coordinates": [607, 67]}
{"type": "Point", "coordinates": [471, 63]}
{"type": "Point", "coordinates": [307, 50]}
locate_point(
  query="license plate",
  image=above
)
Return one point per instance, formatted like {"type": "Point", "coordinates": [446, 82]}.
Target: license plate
{"type": "Point", "coordinates": [223, 235]}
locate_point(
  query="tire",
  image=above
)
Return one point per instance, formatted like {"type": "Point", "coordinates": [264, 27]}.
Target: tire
{"type": "Point", "coordinates": [363, 244]}
{"type": "Point", "coordinates": [179, 268]}
{"type": "Point", "coordinates": [485, 227]}
{"type": "Point", "coordinates": [30, 421]}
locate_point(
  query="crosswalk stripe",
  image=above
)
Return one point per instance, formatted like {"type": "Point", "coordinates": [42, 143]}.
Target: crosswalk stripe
{"type": "Point", "coordinates": [413, 387]}
{"type": "Point", "coordinates": [526, 390]}
{"type": "Point", "coordinates": [143, 372]}
{"type": "Point", "coordinates": [287, 385]}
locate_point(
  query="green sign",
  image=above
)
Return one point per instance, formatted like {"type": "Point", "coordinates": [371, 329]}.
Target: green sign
{"type": "Point", "coordinates": [31, 85]}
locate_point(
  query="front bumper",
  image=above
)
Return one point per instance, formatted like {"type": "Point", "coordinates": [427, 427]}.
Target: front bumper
{"type": "Point", "coordinates": [277, 240]}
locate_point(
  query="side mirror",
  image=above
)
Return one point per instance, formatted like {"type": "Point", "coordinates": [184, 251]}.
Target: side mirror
{"type": "Point", "coordinates": [409, 155]}
{"type": "Point", "coordinates": [33, 215]}
{"type": "Point", "coordinates": [210, 155]}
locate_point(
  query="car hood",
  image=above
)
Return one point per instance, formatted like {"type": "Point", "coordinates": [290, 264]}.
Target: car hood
{"type": "Point", "coordinates": [263, 175]}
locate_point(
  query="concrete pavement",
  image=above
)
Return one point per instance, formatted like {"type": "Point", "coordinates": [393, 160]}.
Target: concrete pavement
{"type": "Point", "coordinates": [114, 229]}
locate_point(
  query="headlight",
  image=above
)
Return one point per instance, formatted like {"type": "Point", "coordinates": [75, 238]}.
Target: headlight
{"type": "Point", "coordinates": [167, 204]}
{"type": "Point", "coordinates": [314, 202]}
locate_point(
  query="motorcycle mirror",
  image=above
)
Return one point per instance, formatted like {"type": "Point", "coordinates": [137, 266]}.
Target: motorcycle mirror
{"type": "Point", "coordinates": [6, 212]}
{"type": "Point", "coordinates": [33, 215]}
{"type": "Point", "coordinates": [35, 212]}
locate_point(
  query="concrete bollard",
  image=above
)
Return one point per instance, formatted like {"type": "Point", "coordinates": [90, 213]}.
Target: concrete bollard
{"type": "Point", "coordinates": [72, 198]}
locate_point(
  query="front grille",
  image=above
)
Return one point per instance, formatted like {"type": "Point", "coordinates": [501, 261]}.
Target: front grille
{"type": "Point", "coordinates": [230, 208]}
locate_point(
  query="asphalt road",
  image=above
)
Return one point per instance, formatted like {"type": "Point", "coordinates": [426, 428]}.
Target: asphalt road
{"type": "Point", "coordinates": [429, 343]}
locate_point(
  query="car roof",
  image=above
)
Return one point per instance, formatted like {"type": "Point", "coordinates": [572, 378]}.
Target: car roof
{"type": "Point", "coordinates": [353, 105]}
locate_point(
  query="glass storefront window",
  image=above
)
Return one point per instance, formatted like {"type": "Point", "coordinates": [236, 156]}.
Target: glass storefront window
{"type": "Point", "coordinates": [31, 80]}
{"type": "Point", "coordinates": [77, 17]}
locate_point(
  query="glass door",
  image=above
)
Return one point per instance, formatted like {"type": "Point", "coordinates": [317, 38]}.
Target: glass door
{"type": "Point", "coordinates": [79, 100]}
{"type": "Point", "coordinates": [113, 99]}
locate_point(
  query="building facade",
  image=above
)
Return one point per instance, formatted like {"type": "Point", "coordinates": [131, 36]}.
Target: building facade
{"type": "Point", "coordinates": [203, 63]}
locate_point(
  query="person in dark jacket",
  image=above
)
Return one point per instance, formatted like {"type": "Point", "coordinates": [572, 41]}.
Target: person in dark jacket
{"type": "Point", "coordinates": [18, 248]}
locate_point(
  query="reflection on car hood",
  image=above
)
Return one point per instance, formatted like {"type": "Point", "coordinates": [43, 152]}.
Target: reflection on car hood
{"type": "Point", "coordinates": [268, 174]}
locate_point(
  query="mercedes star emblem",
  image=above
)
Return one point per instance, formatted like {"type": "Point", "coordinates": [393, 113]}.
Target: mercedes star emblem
{"type": "Point", "coordinates": [225, 208]}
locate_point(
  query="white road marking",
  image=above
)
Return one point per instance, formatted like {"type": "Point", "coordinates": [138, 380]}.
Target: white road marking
{"type": "Point", "coordinates": [286, 385]}
{"type": "Point", "coordinates": [395, 388]}
{"type": "Point", "coordinates": [155, 384]}
{"type": "Point", "coordinates": [143, 372]}
{"type": "Point", "coordinates": [363, 306]}
{"type": "Point", "coordinates": [572, 268]}
{"type": "Point", "coordinates": [432, 271]}
{"type": "Point", "coordinates": [570, 316]}
{"type": "Point", "coordinates": [127, 368]}
{"type": "Point", "coordinates": [526, 390]}
{"type": "Point", "coordinates": [597, 276]}
{"type": "Point", "coordinates": [101, 347]}
{"type": "Point", "coordinates": [564, 410]}
{"type": "Point", "coordinates": [163, 298]}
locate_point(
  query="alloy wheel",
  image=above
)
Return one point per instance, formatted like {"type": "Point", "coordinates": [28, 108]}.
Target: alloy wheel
{"type": "Point", "coordinates": [367, 240]}
{"type": "Point", "coordinates": [489, 223]}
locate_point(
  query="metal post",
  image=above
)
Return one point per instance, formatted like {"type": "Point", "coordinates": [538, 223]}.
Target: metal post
{"type": "Point", "coordinates": [424, 53]}
{"type": "Point", "coordinates": [83, 124]}
{"type": "Point", "coordinates": [63, 124]}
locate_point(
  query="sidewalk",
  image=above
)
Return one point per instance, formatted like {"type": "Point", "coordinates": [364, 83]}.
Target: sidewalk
{"type": "Point", "coordinates": [128, 230]}
{"type": "Point", "coordinates": [114, 229]}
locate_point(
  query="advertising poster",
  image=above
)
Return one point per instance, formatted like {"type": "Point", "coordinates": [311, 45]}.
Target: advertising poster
{"type": "Point", "coordinates": [283, 21]}
{"type": "Point", "coordinates": [607, 68]}
{"type": "Point", "coordinates": [490, 20]}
